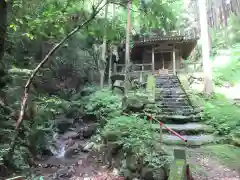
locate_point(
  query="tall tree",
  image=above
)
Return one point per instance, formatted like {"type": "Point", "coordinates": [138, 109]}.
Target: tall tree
{"type": "Point", "coordinates": [3, 24]}
{"type": "Point", "coordinates": [127, 52]}
{"type": "Point", "coordinates": [3, 28]}
{"type": "Point", "coordinates": [102, 60]}
{"type": "Point", "coordinates": [208, 84]}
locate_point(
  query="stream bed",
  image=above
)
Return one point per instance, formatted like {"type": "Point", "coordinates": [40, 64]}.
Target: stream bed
{"type": "Point", "coordinates": [71, 153]}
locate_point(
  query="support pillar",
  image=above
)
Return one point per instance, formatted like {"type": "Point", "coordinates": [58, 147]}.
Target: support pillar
{"type": "Point", "coordinates": [153, 61]}
{"type": "Point", "coordinates": [110, 70]}
{"type": "Point", "coordinates": [174, 61]}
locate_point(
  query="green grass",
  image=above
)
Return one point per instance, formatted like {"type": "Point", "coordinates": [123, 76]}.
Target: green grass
{"type": "Point", "coordinates": [227, 154]}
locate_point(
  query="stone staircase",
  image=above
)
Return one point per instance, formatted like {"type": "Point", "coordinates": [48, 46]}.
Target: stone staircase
{"type": "Point", "coordinates": [173, 100]}
{"type": "Point", "coordinates": [179, 114]}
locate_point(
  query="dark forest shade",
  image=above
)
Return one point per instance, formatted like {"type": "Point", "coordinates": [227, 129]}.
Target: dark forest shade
{"type": "Point", "coordinates": [3, 24]}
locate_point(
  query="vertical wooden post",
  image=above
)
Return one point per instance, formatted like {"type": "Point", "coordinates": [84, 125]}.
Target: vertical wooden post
{"type": "Point", "coordinates": [174, 61]}
{"type": "Point", "coordinates": [127, 52]}
{"type": "Point", "coordinates": [141, 73]}
{"type": "Point", "coordinates": [180, 58]}
{"type": "Point", "coordinates": [114, 68]}
{"type": "Point", "coordinates": [161, 134]}
{"type": "Point", "coordinates": [162, 61]}
{"type": "Point", "coordinates": [153, 61]}
{"type": "Point", "coordinates": [110, 69]}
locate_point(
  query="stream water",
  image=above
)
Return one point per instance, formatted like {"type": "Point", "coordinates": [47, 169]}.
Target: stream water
{"type": "Point", "coordinates": [61, 152]}
{"type": "Point", "coordinates": [68, 153]}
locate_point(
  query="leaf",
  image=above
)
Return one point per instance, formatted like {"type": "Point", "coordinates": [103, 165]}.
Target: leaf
{"type": "Point", "coordinates": [14, 27]}
{"type": "Point", "coordinates": [30, 36]}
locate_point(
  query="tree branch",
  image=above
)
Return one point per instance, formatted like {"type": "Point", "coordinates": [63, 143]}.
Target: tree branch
{"type": "Point", "coordinates": [51, 52]}
{"type": "Point", "coordinates": [35, 71]}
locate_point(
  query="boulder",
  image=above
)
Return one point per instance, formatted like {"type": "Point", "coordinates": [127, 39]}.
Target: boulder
{"type": "Point", "coordinates": [147, 174]}
{"type": "Point", "coordinates": [88, 147]}
{"type": "Point", "coordinates": [129, 174]}
{"type": "Point", "coordinates": [47, 152]}
{"type": "Point", "coordinates": [134, 163]}
{"type": "Point", "coordinates": [87, 91]}
{"type": "Point", "coordinates": [64, 173]}
{"type": "Point", "coordinates": [89, 130]}
{"type": "Point", "coordinates": [135, 103]}
{"type": "Point", "coordinates": [63, 124]}
{"type": "Point", "coordinates": [87, 118]}
{"type": "Point", "coordinates": [70, 135]}
{"type": "Point", "coordinates": [236, 140]}
{"type": "Point", "coordinates": [72, 149]}
{"type": "Point", "coordinates": [153, 173]}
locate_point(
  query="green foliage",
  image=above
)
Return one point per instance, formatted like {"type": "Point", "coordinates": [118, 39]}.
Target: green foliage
{"type": "Point", "coordinates": [53, 104]}
{"type": "Point", "coordinates": [222, 114]}
{"type": "Point", "coordinates": [229, 73]}
{"type": "Point", "coordinates": [104, 103]}
{"type": "Point", "coordinates": [234, 29]}
{"type": "Point", "coordinates": [137, 137]}
{"type": "Point", "coordinates": [228, 36]}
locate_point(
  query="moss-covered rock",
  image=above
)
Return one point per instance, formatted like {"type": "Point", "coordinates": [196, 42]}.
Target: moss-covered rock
{"type": "Point", "coordinates": [135, 103]}
{"type": "Point", "coordinates": [236, 140]}
{"type": "Point", "coordinates": [153, 173]}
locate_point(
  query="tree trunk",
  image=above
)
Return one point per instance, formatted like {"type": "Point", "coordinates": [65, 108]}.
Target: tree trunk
{"type": "Point", "coordinates": [208, 85]}
{"type": "Point", "coordinates": [102, 78]}
{"type": "Point", "coordinates": [111, 52]}
{"type": "Point", "coordinates": [127, 52]}
{"type": "Point", "coordinates": [3, 27]}
{"type": "Point", "coordinates": [104, 48]}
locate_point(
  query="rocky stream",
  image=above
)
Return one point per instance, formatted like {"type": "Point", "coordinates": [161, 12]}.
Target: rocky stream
{"type": "Point", "coordinates": [70, 154]}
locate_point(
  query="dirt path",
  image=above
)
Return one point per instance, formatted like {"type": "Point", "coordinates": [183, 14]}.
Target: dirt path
{"type": "Point", "coordinates": [205, 166]}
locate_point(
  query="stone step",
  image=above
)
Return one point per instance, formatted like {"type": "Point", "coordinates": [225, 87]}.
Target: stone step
{"type": "Point", "coordinates": [196, 140]}
{"type": "Point", "coordinates": [179, 119]}
{"type": "Point", "coordinates": [187, 128]}
{"type": "Point", "coordinates": [182, 108]}
{"type": "Point", "coordinates": [166, 77]}
{"type": "Point", "coordinates": [167, 81]}
{"type": "Point", "coordinates": [177, 98]}
{"type": "Point", "coordinates": [169, 102]}
{"type": "Point", "coordinates": [168, 95]}
{"type": "Point", "coordinates": [177, 110]}
{"type": "Point", "coordinates": [172, 91]}
{"type": "Point", "coordinates": [178, 113]}
{"type": "Point", "coordinates": [165, 86]}
{"type": "Point", "coordinates": [175, 106]}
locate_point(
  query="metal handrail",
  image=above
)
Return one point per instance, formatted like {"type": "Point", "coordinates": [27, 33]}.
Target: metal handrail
{"type": "Point", "coordinates": [169, 129]}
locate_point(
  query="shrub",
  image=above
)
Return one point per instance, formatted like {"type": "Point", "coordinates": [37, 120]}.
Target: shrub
{"type": "Point", "coordinates": [104, 104]}
{"type": "Point", "coordinates": [136, 137]}
{"type": "Point", "coordinates": [222, 114]}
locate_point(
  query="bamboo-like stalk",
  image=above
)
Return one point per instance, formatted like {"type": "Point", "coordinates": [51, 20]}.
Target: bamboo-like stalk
{"type": "Point", "coordinates": [127, 52]}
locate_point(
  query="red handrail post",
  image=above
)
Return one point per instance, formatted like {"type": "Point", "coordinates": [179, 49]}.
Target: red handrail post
{"type": "Point", "coordinates": [172, 131]}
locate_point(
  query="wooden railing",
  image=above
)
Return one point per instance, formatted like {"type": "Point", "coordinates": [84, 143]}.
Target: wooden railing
{"type": "Point", "coordinates": [192, 67]}
{"type": "Point", "coordinates": [138, 70]}
{"type": "Point", "coordinates": [141, 67]}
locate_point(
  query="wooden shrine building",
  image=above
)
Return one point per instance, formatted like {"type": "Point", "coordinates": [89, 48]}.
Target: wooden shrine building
{"type": "Point", "coordinates": [155, 53]}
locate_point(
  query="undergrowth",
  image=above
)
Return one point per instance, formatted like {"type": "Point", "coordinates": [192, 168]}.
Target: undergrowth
{"type": "Point", "coordinates": [223, 115]}
{"type": "Point", "coordinates": [229, 73]}
{"type": "Point", "coordinates": [136, 137]}
{"type": "Point", "coordinates": [104, 104]}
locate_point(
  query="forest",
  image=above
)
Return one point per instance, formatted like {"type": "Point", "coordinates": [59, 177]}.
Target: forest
{"type": "Point", "coordinates": [66, 113]}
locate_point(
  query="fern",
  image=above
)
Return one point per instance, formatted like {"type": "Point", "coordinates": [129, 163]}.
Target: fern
{"type": "Point", "coordinates": [137, 137]}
